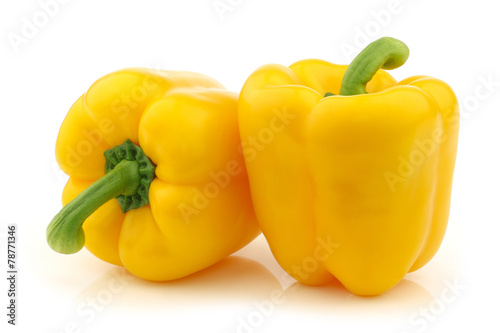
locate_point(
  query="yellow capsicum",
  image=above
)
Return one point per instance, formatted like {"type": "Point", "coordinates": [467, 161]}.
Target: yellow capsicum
{"type": "Point", "coordinates": [357, 184]}
{"type": "Point", "coordinates": [165, 145]}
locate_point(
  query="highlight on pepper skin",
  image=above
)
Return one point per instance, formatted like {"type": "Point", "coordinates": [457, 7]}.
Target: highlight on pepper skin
{"type": "Point", "coordinates": [139, 146]}
{"type": "Point", "coordinates": [367, 163]}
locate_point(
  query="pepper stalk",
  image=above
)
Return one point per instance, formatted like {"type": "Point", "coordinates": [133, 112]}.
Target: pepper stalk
{"type": "Point", "coordinates": [129, 174]}
{"type": "Point", "coordinates": [384, 53]}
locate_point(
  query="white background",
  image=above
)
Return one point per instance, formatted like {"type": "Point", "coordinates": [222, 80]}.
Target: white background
{"type": "Point", "coordinates": [456, 41]}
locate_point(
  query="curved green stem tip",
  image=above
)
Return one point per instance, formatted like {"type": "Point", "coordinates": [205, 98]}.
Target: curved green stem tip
{"type": "Point", "coordinates": [129, 174]}
{"type": "Point", "coordinates": [385, 53]}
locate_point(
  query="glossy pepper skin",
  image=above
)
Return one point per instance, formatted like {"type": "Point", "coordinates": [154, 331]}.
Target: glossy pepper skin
{"type": "Point", "coordinates": [355, 187]}
{"type": "Point", "coordinates": [199, 209]}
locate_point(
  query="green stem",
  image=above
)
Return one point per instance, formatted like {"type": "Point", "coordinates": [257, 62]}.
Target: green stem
{"type": "Point", "coordinates": [64, 233]}
{"type": "Point", "coordinates": [129, 173]}
{"type": "Point", "coordinates": [386, 53]}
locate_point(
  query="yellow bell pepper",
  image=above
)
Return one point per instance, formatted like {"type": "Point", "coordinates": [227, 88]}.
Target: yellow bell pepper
{"type": "Point", "coordinates": [165, 144]}
{"type": "Point", "coordinates": [355, 182]}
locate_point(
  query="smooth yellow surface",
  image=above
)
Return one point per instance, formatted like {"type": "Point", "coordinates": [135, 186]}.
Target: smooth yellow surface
{"type": "Point", "coordinates": [330, 187]}
{"type": "Point", "coordinates": [200, 206]}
